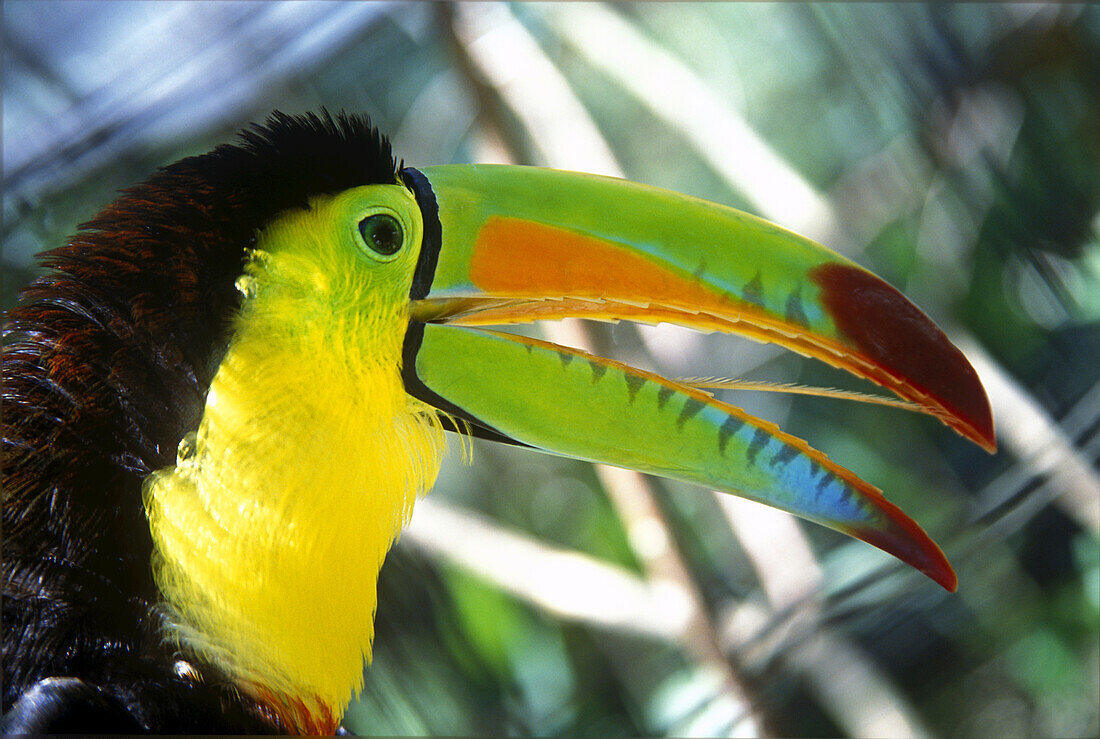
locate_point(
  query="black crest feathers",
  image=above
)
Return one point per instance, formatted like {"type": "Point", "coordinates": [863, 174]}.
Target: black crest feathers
{"type": "Point", "coordinates": [279, 165]}
{"type": "Point", "coordinates": [106, 364]}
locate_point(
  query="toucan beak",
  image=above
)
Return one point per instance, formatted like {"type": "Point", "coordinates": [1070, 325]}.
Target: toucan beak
{"type": "Point", "coordinates": [515, 244]}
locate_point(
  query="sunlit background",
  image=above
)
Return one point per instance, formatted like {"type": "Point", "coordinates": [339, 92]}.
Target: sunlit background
{"type": "Point", "coordinates": [952, 149]}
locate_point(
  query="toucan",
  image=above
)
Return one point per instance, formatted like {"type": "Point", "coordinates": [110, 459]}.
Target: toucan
{"type": "Point", "coordinates": [223, 398]}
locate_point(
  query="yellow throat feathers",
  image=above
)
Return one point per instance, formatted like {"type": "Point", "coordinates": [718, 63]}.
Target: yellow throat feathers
{"type": "Point", "coordinates": [270, 531]}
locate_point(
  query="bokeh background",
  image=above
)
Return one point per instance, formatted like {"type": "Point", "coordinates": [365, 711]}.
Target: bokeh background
{"type": "Point", "coordinates": [952, 149]}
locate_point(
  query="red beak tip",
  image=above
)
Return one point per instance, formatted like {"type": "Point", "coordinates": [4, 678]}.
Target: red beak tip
{"type": "Point", "coordinates": [944, 576]}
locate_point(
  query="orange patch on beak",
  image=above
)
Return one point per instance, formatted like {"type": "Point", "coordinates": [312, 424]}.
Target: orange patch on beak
{"type": "Point", "coordinates": [520, 259]}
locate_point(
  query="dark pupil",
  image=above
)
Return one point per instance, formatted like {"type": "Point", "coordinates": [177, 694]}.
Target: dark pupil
{"type": "Point", "coordinates": [382, 233]}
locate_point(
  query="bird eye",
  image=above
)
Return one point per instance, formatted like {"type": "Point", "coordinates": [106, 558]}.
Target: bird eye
{"type": "Point", "coordinates": [382, 233]}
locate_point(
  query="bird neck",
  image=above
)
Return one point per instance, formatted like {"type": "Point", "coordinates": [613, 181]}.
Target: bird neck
{"type": "Point", "coordinates": [270, 530]}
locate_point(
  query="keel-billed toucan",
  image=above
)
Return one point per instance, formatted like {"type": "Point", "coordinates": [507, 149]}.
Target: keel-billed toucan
{"type": "Point", "coordinates": [232, 384]}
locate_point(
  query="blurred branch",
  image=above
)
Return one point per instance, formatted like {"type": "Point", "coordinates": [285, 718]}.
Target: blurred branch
{"type": "Point", "coordinates": [499, 52]}
{"type": "Point", "coordinates": [572, 586]}
{"type": "Point", "coordinates": [222, 60]}
{"type": "Point", "coordinates": [1033, 436]}
{"type": "Point", "coordinates": [860, 696]}
{"type": "Point", "coordinates": [719, 134]}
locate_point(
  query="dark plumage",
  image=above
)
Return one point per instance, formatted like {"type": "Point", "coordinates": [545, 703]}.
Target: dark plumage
{"type": "Point", "coordinates": [106, 364]}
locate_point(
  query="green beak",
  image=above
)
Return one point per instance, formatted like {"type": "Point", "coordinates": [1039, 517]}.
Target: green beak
{"type": "Point", "coordinates": [514, 244]}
